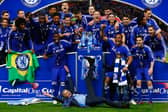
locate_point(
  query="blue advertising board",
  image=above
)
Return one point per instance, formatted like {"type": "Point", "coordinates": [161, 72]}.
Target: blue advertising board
{"type": "Point", "coordinates": [43, 77]}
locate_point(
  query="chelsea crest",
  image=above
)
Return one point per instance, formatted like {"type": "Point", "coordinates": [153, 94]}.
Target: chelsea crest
{"type": "Point", "coordinates": [151, 3]}
{"type": "Point", "coordinates": [22, 62]}
{"type": "Point", "coordinates": [31, 3]}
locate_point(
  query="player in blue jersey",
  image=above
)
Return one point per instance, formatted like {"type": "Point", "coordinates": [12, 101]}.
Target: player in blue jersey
{"type": "Point", "coordinates": [65, 10]}
{"type": "Point", "coordinates": [40, 34]}
{"type": "Point", "coordinates": [143, 58]}
{"type": "Point", "coordinates": [141, 29]}
{"type": "Point", "coordinates": [152, 22]}
{"type": "Point", "coordinates": [67, 32]}
{"type": "Point", "coordinates": [54, 26]}
{"type": "Point", "coordinates": [110, 31]}
{"type": "Point", "coordinates": [51, 11]}
{"type": "Point", "coordinates": [95, 27]}
{"type": "Point", "coordinates": [127, 28]}
{"type": "Point", "coordinates": [80, 20]}
{"type": "Point", "coordinates": [4, 31]}
{"type": "Point", "coordinates": [156, 43]}
{"type": "Point", "coordinates": [117, 50]}
{"type": "Point", "coordinates": [89, 17]}
{"type": "Point", "coordinates": [19, 40]}
{"type": "Point", "coordinates": [58, 49]}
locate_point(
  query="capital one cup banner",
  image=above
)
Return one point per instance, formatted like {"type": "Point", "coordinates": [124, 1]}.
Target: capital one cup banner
{"type": "Point", "coordinates": [158, 6]}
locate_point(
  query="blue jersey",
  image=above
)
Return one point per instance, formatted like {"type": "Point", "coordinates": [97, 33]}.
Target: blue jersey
{"type": "Point", "coordinates": [123, 51]}
{"type": "Point", "coordinates": [58, 50]}
{"type": "Point", "coordinates": [67, 29]}
{"type": "Point", "coordinates": [138, 31]}
{"type": "Point", "coordinates": [62, 14]}
{"type": "Point", "coordinates": [53, 28]}
{"type": "Point", "coordinates": [127, 29]}
{"type": "Point", "coordinates": [143, 56]}
{"type": "Point", "coordinates": [82, 23]}
{"type": "Point", "coordinates": [95, 29]}
{"type": "Point", "coordinates": [153, 23]}
{"type": "Point", "coordinates": [3, 37]}
{"type": "Point", "coordinates": [40, 33]}
{"type": "Point", "coordinates": [111, 32]}
{"type": "Point", "coordinates": [20, 40]}
{"type": "Point", "coordinates": [111, 58]}
{"type": "Point", "coordinates": [86, 19]}
{"type": "Point", "coordinates": [156, 44]}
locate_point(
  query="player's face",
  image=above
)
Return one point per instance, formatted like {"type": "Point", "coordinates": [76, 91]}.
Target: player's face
{"type": "Point", "coordinates": [139, 42]}
{"type": "Point", "coordinates": [151, 31]}
{"type": "Point", "coordinates": [126, 20]}
{"type": "Point", "coordinates": [96, 15]}
{"type": "Point", "coordinates": [91, 10]}
{"type": "Point", "coordinates": [67, 94]}
{"type": "Point", "coordinates": [42, 19]}
{"type": "Point", "coordinates": [65, 7]}
{"type": "Point", "coordinates": [4, 23]}
{"type": "Point", "coordinates": [111, 18]}
{"type": "Point", "coordinates": [22, 26]}
{"type": "Point", "coordinates": [67, 21]}
{"type": "Point", "coordinates": [148, 14]}
{"type": "Point", "coordinates": [78, 16]}
{"type": "Point", "coordinates": [144, 20]}
{"type": "Point", "coordinates": [107, 12]}
{"type": "Point", "coordinates": [52, 10]}
{"type": "Point", "coordinates": [118, 39]}
{"type": "Point", "coordinates": [21, 14]}
{"type": "Point", "coordinates": [56, 38]}
{"type": "Point", "coordinates": [5, 15]}
{"type": "Point", "coordinates": [56, 19]}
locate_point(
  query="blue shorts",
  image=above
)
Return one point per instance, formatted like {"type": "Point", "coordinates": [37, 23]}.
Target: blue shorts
{"type": "Point", "coordinates": [58, 74]}
{"type": "Point", "coordinates": [142, 73]}
{"type": "Point", "coordinates": [109, 74]}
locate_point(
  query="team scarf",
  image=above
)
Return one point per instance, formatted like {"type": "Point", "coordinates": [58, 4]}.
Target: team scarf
{"type": "Point", "coordinates": [119, 76]}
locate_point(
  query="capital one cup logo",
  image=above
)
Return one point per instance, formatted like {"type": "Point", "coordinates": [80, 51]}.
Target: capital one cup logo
{"type": "Point", "coordinates": [30, 3]}
{"type": "Point", "coordinates": [151, 3]}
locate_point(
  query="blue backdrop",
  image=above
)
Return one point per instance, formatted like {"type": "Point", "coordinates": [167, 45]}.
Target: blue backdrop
{"type": "Point", "coordinates": [158, 6]}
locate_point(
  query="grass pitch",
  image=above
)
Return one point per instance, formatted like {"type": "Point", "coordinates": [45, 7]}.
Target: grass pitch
{"type": "Point", "coordinates": [49, 107]}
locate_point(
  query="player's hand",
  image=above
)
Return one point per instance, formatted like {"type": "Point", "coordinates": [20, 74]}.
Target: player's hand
{"type": "Point", "coordinates": [150, 71]}
{"type": "Point", "coordinates": [164, 60]}
{"type": "Point", "coordinates": [125, 69]}
{"type": "Point", "coordinates": [76, 41]}
{"type": "Point", "coordinates": [9, 50]}
{"type": "Point", "coordinates": [80, 29]}
{"type": "Point", "coordinates": [105, 38]}
{"type": "Point", "coordinates": [32, 50]}
{"type": "Point", "coordinates": [45, 56]}
{"type": "Point", "coordinates": [116, 26]}
{"type": "Point", "coordinates": [67, 34]}
{"type": "Point", "coordinates": [91, 23]}
{"type": "Point", "coordinates": [103, 26]}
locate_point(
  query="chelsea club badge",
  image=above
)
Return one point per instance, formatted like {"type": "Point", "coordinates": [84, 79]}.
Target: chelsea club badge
{"type": "Point", "coordinates": [151, 3]}
{"type": "Point", "coordinates": [31, 3]}
{"type": "Point", "coordinates": [22, 62]}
